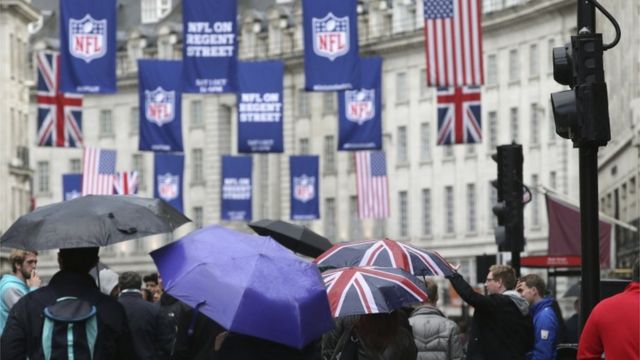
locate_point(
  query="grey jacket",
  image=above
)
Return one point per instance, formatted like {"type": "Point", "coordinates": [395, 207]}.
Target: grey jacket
{"type": "Point", "coordinates": [436, 336]}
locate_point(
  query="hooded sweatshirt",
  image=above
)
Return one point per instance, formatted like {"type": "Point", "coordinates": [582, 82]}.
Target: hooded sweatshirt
{"type": "Point", "coordinates": [11, 290]}
{"type": "Point", "coordinates": [501, 327]}
{"type": "Point", "coordinates": [545, 325]}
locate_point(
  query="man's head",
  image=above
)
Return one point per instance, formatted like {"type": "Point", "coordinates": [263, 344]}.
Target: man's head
{"type": "Point", "coordinates": [500, 279]}
{"type": "Point", "coordinates": [23, 263]}
{"type": "Point", "coordinates": [432, 291]}
{"type": "Point", "coordinates": [79, 260]}
{"type": "Point", "coordinates": [151, 281]}
{"type": "Point", "coordinates": [129, 280]}
{"type": "Point", "coordinates": [532, 288]}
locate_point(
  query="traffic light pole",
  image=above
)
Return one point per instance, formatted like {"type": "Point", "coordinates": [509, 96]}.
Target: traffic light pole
{"type": "Point", "coordinates": [589, 220]}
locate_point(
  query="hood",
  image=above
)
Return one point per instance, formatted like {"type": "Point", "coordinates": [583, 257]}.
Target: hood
{"type": "Point", "coordinates": [543, 303]}
{"type": "Point", "coordinates": [427, 310]}
{"type": "Point", "coordinates": [520, 302]}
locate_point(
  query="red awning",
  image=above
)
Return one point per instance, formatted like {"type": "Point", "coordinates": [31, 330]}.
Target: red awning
{"type": "Point", "coordinates": [550, 261]}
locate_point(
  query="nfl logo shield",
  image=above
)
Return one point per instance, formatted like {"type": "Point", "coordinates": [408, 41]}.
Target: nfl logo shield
{"type": "Point", "coordinates": [304, 188]}
{"type": "Point", "coordinates": [360, 105]}
{"type": "Point", "coordinates": [330, 36]}
{"type": "Point", "coordinates": [160, 105]}
{"type": "Point", "coordinates": [168, 186]}
{"type": "Point", "coordinates": [87, 38]}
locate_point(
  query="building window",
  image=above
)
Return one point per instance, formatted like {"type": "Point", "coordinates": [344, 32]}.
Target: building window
{"type": "Point", "coordinates": [425, 142]}
{"type": "Point", "coordinates": [303, 146]}
{"type": "Point", "coordinates": [403, 219]}
{"type": "Point", "coordinates": [43, 177]}
{"type": "Point", "coordinates": [535, 203]}
{"type": "Point", "coordinates": [514, 66]}
{"type": "Point", "coordinates": [138, 165]}
{"type": "Point", "coordinates": [106, 123]}
{"type": "Point", "coordinates": [425, 90]}
{"type": "Point", "coordinates": [448, 206]}
{"type": "Point", "coordinates": [493, 129]}
{"type": "Point", "coordinates": [513, 119]}
{"type": "Point", "coordinates": [330, 219]}
{"type": "Point", "coordinates": [134, 120]}
{"type": "Point", "coordinates": [492, 70]}
{"type": "Point", "coordinates": [447, 152]}
{"type": "Point", "coordinates": [535, 125]}
{"type": "Point", "coordinates": [402, 156]}
{"type": "Point", "coordinates": [329, 103]}
{"type": "Point", "coordinates": [198, 217]}
{"type": "Point", "coordinates": [355, 226]}
{"type": "Point", "coordinates": [329, 155]}
{"type": "Point", "coordinates": [471, 208]}
{"type": "Point", "coordinates": [402, 93]}
{"type": "Point", "coordinates": [426, 212]}
{"type": "Point", "coordinates": [197, 170]}
{"type": "Point", "coordinates": [197, 119]}
{"type": "Point", "coordinates": [553, 180]}
{"type": "Point", "coordinates": [534, 64]}
{"type": "Point", "coordinates": [75, 166]}
{"type": "Point", "coordinates": [303, 103]}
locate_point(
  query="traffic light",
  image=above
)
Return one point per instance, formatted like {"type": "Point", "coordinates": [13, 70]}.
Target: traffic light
{"type": "Point", "coordinates": [510, 230]}
{"type": "Point", "coordinates": [582, 113]}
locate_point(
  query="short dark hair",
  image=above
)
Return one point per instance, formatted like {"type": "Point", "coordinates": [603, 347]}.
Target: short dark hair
{"type": "Point", "coordinates": [129, 280]}
{"type": "Point", "coordinates": [506, 274]}
{"type": "Point", "coordinates": [151, 277]}
{"type": "Point", "coordinates": [79, 260]}
{"type": "Point", "coordinates": [535, 281]}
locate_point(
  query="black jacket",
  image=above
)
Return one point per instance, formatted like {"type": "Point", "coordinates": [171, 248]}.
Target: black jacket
{"type": "Point", "coordinates": [22, 336]}
{"type": "Point", "coordinates": [502, 327]}
{"type": "Point", "coordinates": [146, 326]}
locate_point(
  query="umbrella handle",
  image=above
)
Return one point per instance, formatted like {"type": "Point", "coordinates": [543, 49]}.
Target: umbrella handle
{"type": "Point", "coordinates": [192, 325]}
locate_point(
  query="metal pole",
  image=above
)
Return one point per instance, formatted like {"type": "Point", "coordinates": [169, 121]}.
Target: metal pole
{"type": "Point", "coordinates": [515, 262]}
{"type": "Point", "coordinates": [589, 222]}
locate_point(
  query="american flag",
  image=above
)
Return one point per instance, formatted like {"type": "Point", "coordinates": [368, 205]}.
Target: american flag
{"type": "Point", "coordinates": [459, 117]}
{"type": "Point", "coordinates": [372, 185]}
{"type": "Point", "coordinates": [453, 42]}
{"type": "Point", "coordinates": [126, 183]}
{"type": "Point", "coordinates": [370, 290]}
{"type": "Point", "coordinates": [98, 170]}
{"type": "Point", "coordinates": [59, 114]}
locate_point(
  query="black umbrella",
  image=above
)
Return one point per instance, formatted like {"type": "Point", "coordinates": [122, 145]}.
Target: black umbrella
{"type": "Point", "coordinates": [93, 220]}
{"type": "Point", "coordinates": [297, 238]}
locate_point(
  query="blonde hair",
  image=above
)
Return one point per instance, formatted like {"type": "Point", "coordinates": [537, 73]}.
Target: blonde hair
{"type": "Point", "coordinates": [17, 257]}
{"type": "Point", "coordinates": [504, 273]}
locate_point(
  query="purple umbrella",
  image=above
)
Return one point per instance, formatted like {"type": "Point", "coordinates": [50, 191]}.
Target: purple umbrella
{"type": "Point", "coordinates": [249, 284]}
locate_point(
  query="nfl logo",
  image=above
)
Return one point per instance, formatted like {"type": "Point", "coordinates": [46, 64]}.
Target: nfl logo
{"type": "Point", "coordinates": [304, 188]}
{"type": "Point", "coordinates": [330, 36]}
{"type": "Point", "coordinates": [87, 38]}
{"type": "Point", "coordinates": [360, 105]}
{"type": "Point", "coordinates": [168, 186]}
{"type": "Point", "coordinates": [160, 105]}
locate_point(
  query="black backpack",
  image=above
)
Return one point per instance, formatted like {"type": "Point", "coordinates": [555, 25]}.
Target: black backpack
{"type": "Point", "coordinates": [70, 329]}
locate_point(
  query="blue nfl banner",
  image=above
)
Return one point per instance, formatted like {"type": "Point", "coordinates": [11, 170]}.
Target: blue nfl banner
{"type": "Point", "coordinates": [88, 46]}
{"type": "Point", "coordinates": [305, 185]}
{"type": "Point", "coordinates": [260, 101]}
{"type": "Point", "coordinates": [168, 178]}
{"type": "Point", "coordinates": [159, 84]}
{"type": "Point", "coordinates": [360, 110]}
{"type": "Point", "coordinates": [71, 186]}
{"type": "Point", "coordinates": [331, 60]}
{"type": "Point", "coordinates": [236, 188]}
{"type": "Point", "coordinates": [210, 45]}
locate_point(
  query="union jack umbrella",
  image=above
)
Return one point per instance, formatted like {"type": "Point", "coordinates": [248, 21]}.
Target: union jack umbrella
{"type": "Point", "coordinates": [386, 253]}
{"type": "Point", "coordinates": [371, 290]}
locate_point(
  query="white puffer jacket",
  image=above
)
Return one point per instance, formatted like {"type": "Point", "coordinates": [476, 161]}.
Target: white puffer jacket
{"type": "Point", "coordinates": [436, 336]}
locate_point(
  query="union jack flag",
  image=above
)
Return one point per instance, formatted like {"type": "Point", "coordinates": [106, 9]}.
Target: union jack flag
{"type": "Point", "coordinates": [126, 183]}
{"type": "Point", "coordinates": [59, 114]}
{"type": "Point", "coordinates": [459, 116]}
{"type": "Point", "coordinates": [453, 42]}
{"type": "Point", "coordinates": [371, 290]}
{"type": "Point", "coordinates": [386, 253]}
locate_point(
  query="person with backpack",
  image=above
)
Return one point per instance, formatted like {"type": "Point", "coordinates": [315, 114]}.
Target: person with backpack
{"type": "Point", "coordinates": [20, 281]}
{"type": "Point", "coordinates": [68, 315]}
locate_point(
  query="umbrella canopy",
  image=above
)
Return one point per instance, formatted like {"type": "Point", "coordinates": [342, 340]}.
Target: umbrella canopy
{"type": "Point", "coordinates": [371, 290]}
{"type": "Point", "coordinates": [93, 220]}
{"type": "Point", "coordinates": [386, 253]}
{"type": "Point", "coordinates": [299, 239]}
{"type": "Point", "coordinates": [247, 283]}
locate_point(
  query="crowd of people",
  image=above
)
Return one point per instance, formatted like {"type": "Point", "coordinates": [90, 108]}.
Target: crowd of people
{"type": "Point", "coordinates": [88, 312]}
